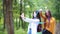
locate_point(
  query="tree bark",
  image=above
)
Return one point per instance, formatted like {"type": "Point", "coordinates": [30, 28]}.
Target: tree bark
{"type": "Point", "coordinates": [21, 21]}
{"type": "Point", "coordinates": [8, 16]}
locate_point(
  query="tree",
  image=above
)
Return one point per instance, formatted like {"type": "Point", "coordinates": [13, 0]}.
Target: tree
{"type": "Point", "coordinates": [7, 4]}
{"type": "Point", "coordinates": [21, 11]}
{"type": "Point", "coordinates": [57, 12]}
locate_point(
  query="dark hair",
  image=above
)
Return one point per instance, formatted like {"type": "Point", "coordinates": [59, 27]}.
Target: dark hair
{"type": "Point", "coordinates": [49, 13]}
{"type": "Point", "coordinates": [37, 16]}
{"type": "Point", "coordinates": [39, 27]}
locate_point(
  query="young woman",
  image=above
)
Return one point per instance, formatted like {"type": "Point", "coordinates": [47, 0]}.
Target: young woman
{"type": "Point", "coordinates": [49, 25]}
{"type": "Point", "coordinates": [33, 23]}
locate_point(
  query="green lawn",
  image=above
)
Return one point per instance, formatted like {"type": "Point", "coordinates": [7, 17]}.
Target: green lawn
{"type": "Point", "coordinates": [19, 31]}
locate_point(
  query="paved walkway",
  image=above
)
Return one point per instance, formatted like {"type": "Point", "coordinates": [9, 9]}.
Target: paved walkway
{"type": "Point", "coordinates": [58, 28]}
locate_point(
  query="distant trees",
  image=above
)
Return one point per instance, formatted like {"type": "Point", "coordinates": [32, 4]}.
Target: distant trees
{"type": "Point", "coordinates": [26, 6]}
{"type": "Point", "coordinates": [21, 11]}
{"type": "Point", "coordinates": [57, 7]}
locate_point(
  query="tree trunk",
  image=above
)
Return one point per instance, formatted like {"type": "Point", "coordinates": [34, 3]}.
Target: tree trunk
{"type": "Point", "coordinates": [4, 9]}
{"type": "Point", "coordinates": [20, 14]}
{"type": "Point", "coordinates": [8, 16]}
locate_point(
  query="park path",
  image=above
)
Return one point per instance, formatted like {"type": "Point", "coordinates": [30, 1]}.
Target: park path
{"type": "Point", "coordinates": [58, 28]}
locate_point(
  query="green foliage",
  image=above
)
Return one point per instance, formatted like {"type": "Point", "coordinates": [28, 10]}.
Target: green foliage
{"type": "Point", "coordinates": [28, 6]}
{"type": "Point", "coordinates": [57, 7]}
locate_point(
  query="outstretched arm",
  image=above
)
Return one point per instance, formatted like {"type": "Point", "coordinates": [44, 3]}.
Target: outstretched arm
{"type": "Point", "coordinates": [28, 19]}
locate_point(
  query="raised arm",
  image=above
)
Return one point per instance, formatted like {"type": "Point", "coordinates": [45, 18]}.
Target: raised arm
{"type": "Point", "coordinates": [41, 15]}
{"type": "Point", "coordinates": [31, 20]}
{"type": "Point", "coordinates": [28, 19]}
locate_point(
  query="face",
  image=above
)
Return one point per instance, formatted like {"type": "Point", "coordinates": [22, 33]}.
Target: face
{"type": "Point", "coordinates": [34, 14]}
{"type": "Point", "coordinates": [47, 13]}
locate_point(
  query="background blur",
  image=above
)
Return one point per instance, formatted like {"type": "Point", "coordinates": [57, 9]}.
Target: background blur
{"type": "Point", "coordinates": [27, 6]}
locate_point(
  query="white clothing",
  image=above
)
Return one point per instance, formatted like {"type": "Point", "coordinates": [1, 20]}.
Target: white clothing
{"type": "Point", "coordinates": [33, 23]}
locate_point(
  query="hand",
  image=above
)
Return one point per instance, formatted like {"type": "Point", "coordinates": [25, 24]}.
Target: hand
{"type": "Point", "coordinates": [22, 15]}
{"type": "Point", "coordinates": [40, 10]}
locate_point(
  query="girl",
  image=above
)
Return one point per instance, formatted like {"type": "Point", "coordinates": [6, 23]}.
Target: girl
{"type": "Point", "coordinates": [49, 25]}
{"type": "Point", "coordinates": [33, 23]}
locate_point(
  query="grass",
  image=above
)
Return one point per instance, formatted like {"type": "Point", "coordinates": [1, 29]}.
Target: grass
{"type": "Point", "coordinates": [19, 31]}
